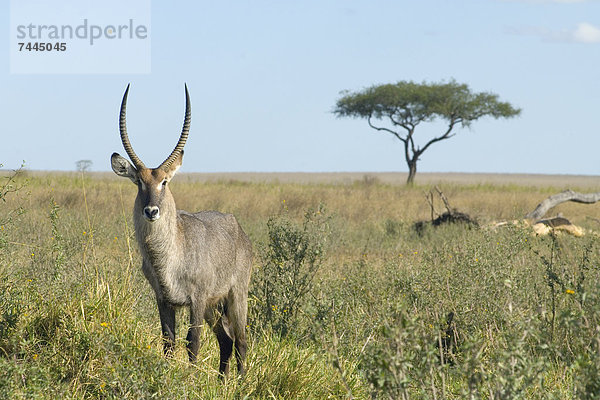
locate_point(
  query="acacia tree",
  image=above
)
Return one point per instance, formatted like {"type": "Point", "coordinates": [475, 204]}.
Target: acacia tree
{"type": "Point", "coordinates": [83, 165]}
{"type": "Point", "coordinates": [404, 105]}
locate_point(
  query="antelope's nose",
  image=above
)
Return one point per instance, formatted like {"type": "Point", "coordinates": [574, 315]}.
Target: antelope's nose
{"type": "Point", "coordinates": [151, 213]}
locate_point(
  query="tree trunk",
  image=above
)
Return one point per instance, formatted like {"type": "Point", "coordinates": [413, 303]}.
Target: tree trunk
{"type": "Point", "coordinates": [556, 199]}
{"type": "Point", "coordinates": [412, 171]}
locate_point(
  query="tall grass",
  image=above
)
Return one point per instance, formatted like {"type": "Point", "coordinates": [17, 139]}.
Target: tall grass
{"type": "Point", "coordinates": [346, 301]}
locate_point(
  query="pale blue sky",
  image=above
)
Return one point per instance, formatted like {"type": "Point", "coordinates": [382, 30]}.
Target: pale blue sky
{"type": "Point", "coordinates": [264, 76]}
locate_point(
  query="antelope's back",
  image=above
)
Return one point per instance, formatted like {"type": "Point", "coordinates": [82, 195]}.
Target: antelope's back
{"type": "Point", "coordinates": [223, 242]}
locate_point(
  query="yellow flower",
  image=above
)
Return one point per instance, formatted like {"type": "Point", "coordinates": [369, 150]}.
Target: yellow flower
{"type": "Point", "coordinates": [84, 232]}
{"type": "Point", "coordinates": [35, 356]}
{"type": "Point", "coordinates": [569, 291]}
{"type": "Point", "coordinates": [104, 324]}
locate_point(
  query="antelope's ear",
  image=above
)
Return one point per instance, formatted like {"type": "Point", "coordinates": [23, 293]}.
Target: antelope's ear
{"type": "Point", "coordinates": [123, 168]}
{"type": "Point", "coordinates": [175, 165]}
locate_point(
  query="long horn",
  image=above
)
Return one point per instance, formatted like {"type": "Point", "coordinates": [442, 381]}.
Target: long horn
{"type": "Point", "coordinates": [124, 138]}
{"type": "Point", "coordinates": [184, 133]}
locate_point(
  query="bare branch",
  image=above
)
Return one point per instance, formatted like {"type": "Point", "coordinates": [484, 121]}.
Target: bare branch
{"type": "Point", "coordinates": [409, 126]}
{"type": "Point", "coordinates": [556, 199]}
{"type": "Point", "coordinates": [444, 199]}
{"type": "Point", "coordinates": [396, 134]}
{"type": "Point", "coordinates": [429, 198]}
{"type": "Point", "coordinates": [447, 135]}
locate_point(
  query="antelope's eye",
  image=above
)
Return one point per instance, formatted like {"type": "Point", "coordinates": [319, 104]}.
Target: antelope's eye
{"type": "Point", "coordinates": [164, 183]}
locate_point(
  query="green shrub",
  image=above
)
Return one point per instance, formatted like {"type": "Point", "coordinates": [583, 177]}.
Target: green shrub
{"type": "Point", "coordinates": [291, 260]}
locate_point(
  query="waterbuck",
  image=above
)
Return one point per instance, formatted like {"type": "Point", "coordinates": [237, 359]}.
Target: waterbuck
{"type": "Point", "coordinates": [200, 260]}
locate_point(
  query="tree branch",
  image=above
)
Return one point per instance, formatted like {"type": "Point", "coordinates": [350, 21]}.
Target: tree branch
{"type": "Point", "coordinates": [446, 135]}
{"type": "Point", "coordinates": [556, 199]}
{"type": "Point", "coordinates": [396, 134]}
{"type": "Point", "coordinates": [409, 123]}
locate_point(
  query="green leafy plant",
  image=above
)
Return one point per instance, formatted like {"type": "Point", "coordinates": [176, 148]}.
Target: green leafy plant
{"type": "Point", "coordinates": [8, 187]}
{"type": "Point", "coordinates": [292, 259]}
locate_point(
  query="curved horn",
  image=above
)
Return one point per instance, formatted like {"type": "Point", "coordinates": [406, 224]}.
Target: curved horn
{"type": "Point", "coordinates": [124, 138]}
{"type": "Point", "coordinates": [184, 133]}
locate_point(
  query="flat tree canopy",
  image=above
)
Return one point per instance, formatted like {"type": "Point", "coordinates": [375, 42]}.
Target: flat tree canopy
{"type": "Point", "coordinates": [404, 105]}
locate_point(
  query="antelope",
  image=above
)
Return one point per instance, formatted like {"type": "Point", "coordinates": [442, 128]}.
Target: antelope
{"type": "Point", "coordinates": [198, 260]}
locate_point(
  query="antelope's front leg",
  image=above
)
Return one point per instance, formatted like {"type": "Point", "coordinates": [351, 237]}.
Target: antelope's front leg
{"type": "Point", "coordinates": [193, 336]}
{"type": "Point", "coordinates": [167, 324]}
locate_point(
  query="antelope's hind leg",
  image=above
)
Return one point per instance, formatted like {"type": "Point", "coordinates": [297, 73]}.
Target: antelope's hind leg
{"type": "Point", "coordinates": [237, 313]}
{"type": "Point", "coordinates": [240, 347]}
{"type": "Point", "coordinates": [225, 345]}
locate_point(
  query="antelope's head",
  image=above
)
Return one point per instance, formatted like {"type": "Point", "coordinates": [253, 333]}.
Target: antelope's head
{"type": "Point", "coordinates": [152, 183]}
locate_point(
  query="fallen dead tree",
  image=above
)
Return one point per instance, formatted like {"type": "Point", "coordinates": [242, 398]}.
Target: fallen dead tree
{"type": "Point", "coordinates": [544, 226]}
{"type": "Point", "coordinates": [535, 219]}
{"type": "Point", "coordinates": [556, 199]}
{"type": "Point", "coordinates": [557, 224]}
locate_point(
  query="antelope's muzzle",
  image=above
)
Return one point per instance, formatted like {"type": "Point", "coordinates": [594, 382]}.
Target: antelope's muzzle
{"type": "Point", "coordinates": [151, 213]}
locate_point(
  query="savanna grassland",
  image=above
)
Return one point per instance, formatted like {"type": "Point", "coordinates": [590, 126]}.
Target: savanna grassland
{"type": "Point", "coordinates": [347, 300]}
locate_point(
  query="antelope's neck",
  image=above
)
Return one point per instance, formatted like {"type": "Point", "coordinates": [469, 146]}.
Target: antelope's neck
{"type": "Point", "coordinates": [158, 240]}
